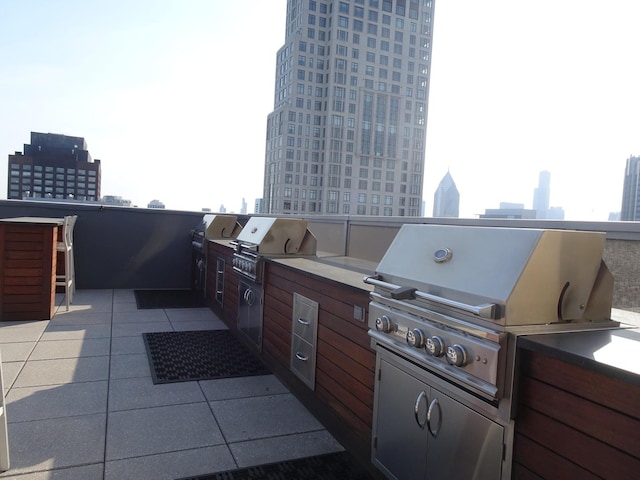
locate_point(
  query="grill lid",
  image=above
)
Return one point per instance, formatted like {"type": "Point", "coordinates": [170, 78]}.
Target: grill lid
{"type": "Point", "coordinates": [215, 227]}
{"type": "Point", "coordinates": [535, 276]}
{"type": "Point", "coordinates": [278, 236]}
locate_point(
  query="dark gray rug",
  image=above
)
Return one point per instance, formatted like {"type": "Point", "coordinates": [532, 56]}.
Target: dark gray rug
{"type": "Point", "coordinates": [146, 299]}
{"type": "Point", "coordinates": [199, 355]}
{"type": "Point", "coordinates": [332, 466]}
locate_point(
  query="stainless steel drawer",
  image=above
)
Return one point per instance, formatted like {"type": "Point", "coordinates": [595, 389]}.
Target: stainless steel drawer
{"type": "Point", "coordinates": [305, 318]}
{"type": "Point", "coordinates": [303, 360]}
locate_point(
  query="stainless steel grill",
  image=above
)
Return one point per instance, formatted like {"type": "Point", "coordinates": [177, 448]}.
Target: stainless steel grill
{"type": "Point", "coordinates": [211, 227]}
{"type": "Point", "coordinates": [272, 237]}
{"type": "Point", "coordinates": [448, 304]}
{"type": "Point", "coordinates": [264, 237]}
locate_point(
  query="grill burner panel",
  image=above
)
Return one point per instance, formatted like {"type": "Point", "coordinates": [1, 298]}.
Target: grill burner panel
{"type": "Point", "coordinates": [481, 349]}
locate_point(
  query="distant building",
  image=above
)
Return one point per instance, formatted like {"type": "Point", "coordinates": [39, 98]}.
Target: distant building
{"type": "Point", "coordinates": [614, 216]}
{"type": "Point", "coordinates": [243, 209]}
{"type": "Point", "coordinates": [257, 208]}
{"type": "Point", "coordinates": [541, 195]}
{"type": "Point", "coordinates": [155, 204]}
{"type": "Point", "coordinates": [631, 191]}
{"type": "Point", "coordinates": [349, 121]}
{"type": "Point", "coordinates": [511, 206]}
{"type": "Point", "coordinates": [509, 210]}
{"type": "Point", "coordinates": [555, 213]}
{"type": "Point", "coordinates": [56, 167]}
{"type": "Point", "coordinates": [446, 200]}
{"type": "Point", "coordinates": [116, 200]}
{"type": "Point", "coordinates": [222, 209]}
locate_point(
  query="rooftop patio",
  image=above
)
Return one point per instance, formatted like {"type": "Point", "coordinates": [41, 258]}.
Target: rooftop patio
{"type": "Point", "coordinates": [80, 398]}
{"type": "Point", "coordinates": [81, 402]}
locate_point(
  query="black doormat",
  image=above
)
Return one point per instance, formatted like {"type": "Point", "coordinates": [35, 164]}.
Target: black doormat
{"type": "Point", "coordinates": [146, 299]}
{"type": "Point", "coordinates": [332, 466]}
{"type": "Point", "coordinates": [199, 355]}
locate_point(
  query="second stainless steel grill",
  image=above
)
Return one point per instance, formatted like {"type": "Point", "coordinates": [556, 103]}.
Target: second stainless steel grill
{"type": "Point", "coordinates": [264, 237]}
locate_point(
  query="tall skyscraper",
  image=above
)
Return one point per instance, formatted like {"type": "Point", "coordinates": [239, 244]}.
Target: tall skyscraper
{"type": "Point", "coordinates": [54, 166]}
{"type": "Point", "coordinates": [348, 128]}
{"type": "Point", "coordinates": [631, 191]}
{"type": "Point", "coordinates": [446, 200]}
{"type": "Point", "coordinates": [541, 195]}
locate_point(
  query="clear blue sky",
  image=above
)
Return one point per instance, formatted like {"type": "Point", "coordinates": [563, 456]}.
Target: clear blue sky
{"type": "Point", "coordinates": [184, 86]}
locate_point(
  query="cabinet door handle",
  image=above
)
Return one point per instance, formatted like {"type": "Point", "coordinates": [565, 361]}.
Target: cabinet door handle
{"type": "Point", "coordinates": [302, 321]}
{"type": "Point", "coordinates": [301, 357]}
{"type": "Point", "coordinates": [249, 296]}
{"type": "Point", "coordinates": [416, 408]}
{"type": "Point", "coordinates": [434, 403]}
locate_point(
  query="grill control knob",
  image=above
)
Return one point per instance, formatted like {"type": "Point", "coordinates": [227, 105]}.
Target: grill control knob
{"type": "Point", "coordinates": [434, 346]}
{"type": "Point", "coordinates": [384, 324]}
{"type": "Point", "coordinates": [415, 338]}
{"type": "Point", "coordinates": [457, 355]}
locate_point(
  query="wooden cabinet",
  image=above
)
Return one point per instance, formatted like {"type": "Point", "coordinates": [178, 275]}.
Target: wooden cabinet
{"type": "Point", "coordinates": [222, 283]}
{"type": "Point", "coordinates": [345, 361]}
{"type": "Point", "coordinates": [28, 263]}
{"type": "Point", "coordinates": [573, 422]}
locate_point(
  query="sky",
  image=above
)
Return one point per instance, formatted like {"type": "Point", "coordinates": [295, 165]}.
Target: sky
{"type": "Point", "coordinates": [182, 89]}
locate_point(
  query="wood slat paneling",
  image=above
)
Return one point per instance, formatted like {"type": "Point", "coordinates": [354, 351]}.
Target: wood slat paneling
{"type": "Point", "coordinates": [345, 361]}
{"type": "Point", "coordinates": [591, 385]}
{"type": "Point", "coordinates": [27, 271]}
{"type": "Point", "coordinates": [228, 312]}
{"type": "Point", "coordinates": [546, 463]}
{"type": "Point", "coordinates": [576, 446]}
{"type": "Point", "coordinates": [573, 422]}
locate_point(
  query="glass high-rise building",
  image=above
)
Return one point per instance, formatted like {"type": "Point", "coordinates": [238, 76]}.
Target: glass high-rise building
{"type": "Point", "coordinates": [631, 191]}
{"type": "Point", "coordinates": [348, 129]}
{"type": "Point", "coordinates": [446, 200]}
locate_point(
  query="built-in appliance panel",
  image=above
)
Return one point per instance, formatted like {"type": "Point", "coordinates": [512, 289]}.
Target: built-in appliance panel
{"type": "Point", "coordinates": [478, 368]}
{"type": "Point", "coordinates": [305, 318]}
{"type": "Point", "coordinates": [304, 331]}
{"type": "Point", "coordinates": [303, 361]}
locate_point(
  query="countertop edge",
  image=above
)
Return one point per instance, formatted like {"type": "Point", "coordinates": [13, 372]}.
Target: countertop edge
{"type": "Point", "coordinates": [532, 343]}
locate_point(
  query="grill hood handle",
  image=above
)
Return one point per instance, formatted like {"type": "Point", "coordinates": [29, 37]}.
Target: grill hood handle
{"type": "Point", "coordinates": [404, 293]}
{"type": "Point", "coordinates": [487, 310]}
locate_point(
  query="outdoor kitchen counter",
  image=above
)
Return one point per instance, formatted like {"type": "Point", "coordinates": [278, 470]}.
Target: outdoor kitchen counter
{"type": "Point", "coordinates": [610, 352]}
{"type": "Point", "coordinates": [578, 414]}
{"type": "Point", "coordinates": [346, 270]}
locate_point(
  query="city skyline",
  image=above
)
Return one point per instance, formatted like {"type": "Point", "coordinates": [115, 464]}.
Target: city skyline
{"type": "Point", "coordinates": [515, 90]}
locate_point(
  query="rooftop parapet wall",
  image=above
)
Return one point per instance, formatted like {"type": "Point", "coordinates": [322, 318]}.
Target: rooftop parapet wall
{"type": "Point", "coordinates": [120, 247]}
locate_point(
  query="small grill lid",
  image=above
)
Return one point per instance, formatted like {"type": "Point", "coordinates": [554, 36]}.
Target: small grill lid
{"type": "Point", "coordinates": [537, 276]}
{"type": "Point", "coordinates": [216, 227]}
{"type": "Point", "coordinates": [279, 236]}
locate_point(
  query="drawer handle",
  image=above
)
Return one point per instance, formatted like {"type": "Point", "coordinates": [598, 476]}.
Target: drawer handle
{"type": "Point", "coordinates": [302, 321]}
{"type": "Point", "coordinates": [301, 357]}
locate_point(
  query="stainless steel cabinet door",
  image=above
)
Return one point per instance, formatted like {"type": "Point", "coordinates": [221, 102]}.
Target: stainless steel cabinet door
{"type": "Point", "coordinates": [400, 448]}
{"type": "Point", "coordinates": [462, 443]}
{"type": "Point", "coordinates": [421, 433]}
{"type": "Point", "coordinates": [250, 311]}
